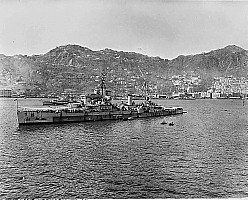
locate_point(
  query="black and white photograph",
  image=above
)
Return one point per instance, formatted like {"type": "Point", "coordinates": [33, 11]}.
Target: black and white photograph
{"type": "Point", "coordinates": [123, 99]}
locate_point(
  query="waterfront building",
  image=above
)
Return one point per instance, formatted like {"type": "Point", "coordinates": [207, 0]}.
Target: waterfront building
{"type": "Point", "coordinates": [5, 93]}
{"type": "Point", "coordinates": [215, 95]}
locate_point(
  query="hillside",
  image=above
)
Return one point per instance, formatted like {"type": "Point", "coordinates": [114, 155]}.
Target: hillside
{"type": "Point", "coordinates": [79, 68]}
{"type": "Point", "coordinates": [231, 60]}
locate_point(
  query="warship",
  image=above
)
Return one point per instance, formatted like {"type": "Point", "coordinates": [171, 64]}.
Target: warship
{"type": "Point", "coordinates": [94, 107]}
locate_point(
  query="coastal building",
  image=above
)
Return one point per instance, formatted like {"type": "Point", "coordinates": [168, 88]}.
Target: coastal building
{"type": "Point", "coordinates": [215, 95]}
{"type": "Point", "coordinates": [5, 93]}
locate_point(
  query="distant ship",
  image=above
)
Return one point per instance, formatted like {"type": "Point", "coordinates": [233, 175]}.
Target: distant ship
{"type": "Point", "coordinates": [95, 107]}
{"type": "Point", "coordinates": [55, 102]}
{"type": "Point", "coordinates": [58, 102]}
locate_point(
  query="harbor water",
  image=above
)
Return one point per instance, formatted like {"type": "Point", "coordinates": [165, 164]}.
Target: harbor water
{"type": "Point", "coordinates": [204, 155]}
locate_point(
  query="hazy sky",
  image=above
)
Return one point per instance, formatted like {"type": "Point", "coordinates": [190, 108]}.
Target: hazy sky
{"type": "Point", "coordinates": [153, 27]}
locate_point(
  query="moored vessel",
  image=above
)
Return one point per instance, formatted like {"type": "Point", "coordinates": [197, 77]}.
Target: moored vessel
{"type": "Point", "coordinates": [94, 107]}
{"type": "Point", "coordinates": [99, 111]}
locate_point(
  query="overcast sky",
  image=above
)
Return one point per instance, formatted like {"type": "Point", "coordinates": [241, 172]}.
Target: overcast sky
{"type": "Point", "coordinates": [156, 27]}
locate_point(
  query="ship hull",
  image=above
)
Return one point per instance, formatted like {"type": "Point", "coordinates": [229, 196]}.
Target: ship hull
{"type": "Point", "coordinates": [60, 116]}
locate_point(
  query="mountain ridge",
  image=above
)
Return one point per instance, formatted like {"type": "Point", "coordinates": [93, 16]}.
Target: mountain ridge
{"type": "Point", "coordinates": [76, 67]}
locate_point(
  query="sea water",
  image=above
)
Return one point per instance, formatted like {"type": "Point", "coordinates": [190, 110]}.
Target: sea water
{"type": "Point", "coordinates": [204, 155]}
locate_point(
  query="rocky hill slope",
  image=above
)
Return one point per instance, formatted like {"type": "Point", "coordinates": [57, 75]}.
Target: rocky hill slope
{"type": "Point", "coordinates": [231, 60]}
{"type": "Point", "coordinates": [80, 68]}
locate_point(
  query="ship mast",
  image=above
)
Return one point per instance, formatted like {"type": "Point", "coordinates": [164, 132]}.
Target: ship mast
{"type": "Point", "coordinates": [102, 83]}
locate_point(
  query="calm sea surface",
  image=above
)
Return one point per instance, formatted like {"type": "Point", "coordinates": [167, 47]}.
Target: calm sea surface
{"type": "Point", "coordinates": [204, 155]}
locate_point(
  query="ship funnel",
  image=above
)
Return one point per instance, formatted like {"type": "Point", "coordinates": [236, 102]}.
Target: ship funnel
{"type": "Point", "coordinates": [84, 99]}
{"type": "Point", "coordinates": [129, 99]}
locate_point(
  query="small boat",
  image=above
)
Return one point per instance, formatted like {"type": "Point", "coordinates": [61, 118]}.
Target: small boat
{"type": "Point", "coordinates": [130, 118]}
{"type": "Point", "coordinates": [171, 124]}
{"type": "Point", "coordinates": [163, 122]}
